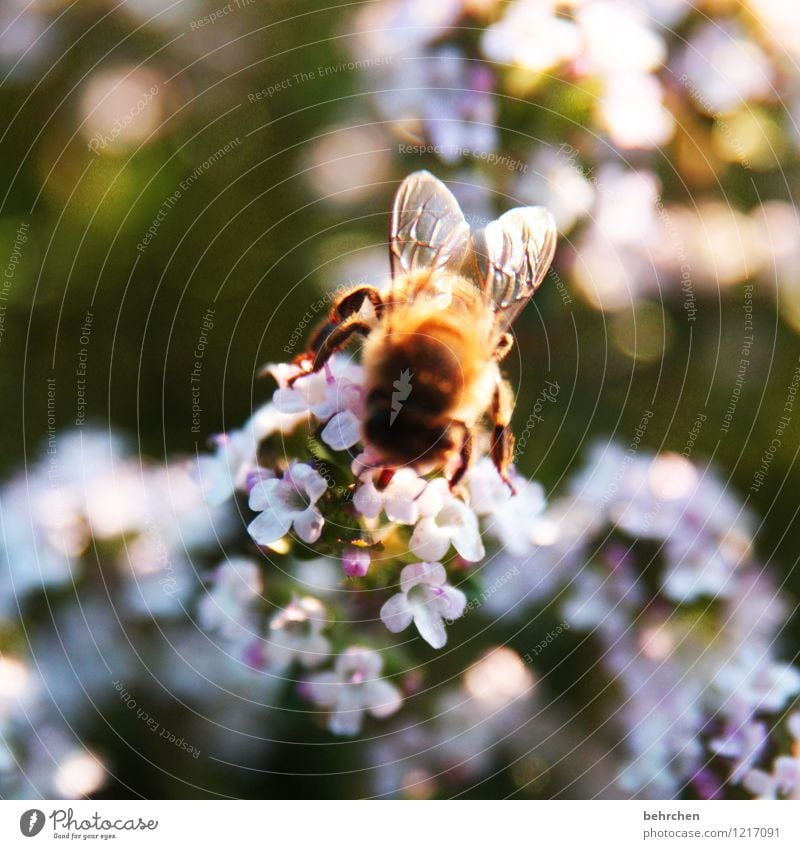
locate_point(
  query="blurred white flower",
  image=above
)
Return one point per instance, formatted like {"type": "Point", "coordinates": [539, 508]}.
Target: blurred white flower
{"type": "Point", "coordinates": [532, 35]}
{"type": "Point", "coordinates": [288, 502]}
{"type": "Point", "coordinates": [353, 688]}
{"type": "Point", "coordinates": [427, 600]}
{"type": "Point", "coordinates": [633, 112]}
{"type": "Point", "coordinates": [555, 179]}
{"type": "Point", "coordinates": [227, 606]}
{"type": "Point", "coordinates": [295, 634]}
{"type": "Point", "coordinates": [509, 518]}
{"type": "Point", "coordinates": [725, 68]}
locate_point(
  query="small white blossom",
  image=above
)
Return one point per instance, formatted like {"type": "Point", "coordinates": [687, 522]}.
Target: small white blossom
{"type": "Point", "coordinates": [399, 499]}
{"type": "Point", "coordinates": [286, 503]}
{"type": "Point", "coordinates": [353, 688]}
{"type": "Point", "coordinates": [296, 634]}
{"type": "Point", "coordinates": [427, 600]}
{"type": "Point", "coordinates": [510, 518]}
{"type": "Point", "coordinates": [454, 523]}
{"type": "Point", "coordinates": [227, 606]}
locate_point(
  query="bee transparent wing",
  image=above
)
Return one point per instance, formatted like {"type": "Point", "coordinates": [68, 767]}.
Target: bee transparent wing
{"type": "Point", "coordinates": [513, 255]}
{"type": "Point", "coordinates": [428, 229]}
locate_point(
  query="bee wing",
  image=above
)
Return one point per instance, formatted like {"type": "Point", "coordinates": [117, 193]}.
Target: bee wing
{"type": "Point", "coordinates": [513, 255]}
{"type": "Point", "coordinates": [428, 229]}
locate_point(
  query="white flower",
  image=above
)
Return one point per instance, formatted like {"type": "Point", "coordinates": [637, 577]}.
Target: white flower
{"type": "Point", "coordinates": [296, 634]}
{"type": "Point", "coordinates": [319, 392]}
{"type": "Point", "coordinates": [743, 744]}
{"type": "Point", "coordinates": [426, 599]}
{"type": "Point", "coordinates": [353, 688]}
{"type": "Point", "coordinates": [333, 394]}
{"type": "Point", "coordinates": [226, 607]}
{"type": "Point", "coordinates": [454, 523]}
{"type": "Point", "coordinates": [399, 499]}
{"type": "Point", "coordinates": [286, 503]}
{"type": "Point", "coordinates": [725, 68]}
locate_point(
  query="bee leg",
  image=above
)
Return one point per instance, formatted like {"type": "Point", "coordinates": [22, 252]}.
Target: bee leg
{"type": "Point", "coordinates": [505, 344]}
{"type": "Point", "coordinates": [352, 302]}
{"type": "Point", "coordinates": [465, 455]}
{"type": "Point", "coordinates": [343, 314]}
{"type": "Point", "coordinates": [502, 438]}
{"type": "Point", "coordinates": [338, 338]}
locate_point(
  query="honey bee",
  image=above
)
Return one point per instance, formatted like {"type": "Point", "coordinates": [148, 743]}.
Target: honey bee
{"type": "Point", "coordinates": [434, 341]}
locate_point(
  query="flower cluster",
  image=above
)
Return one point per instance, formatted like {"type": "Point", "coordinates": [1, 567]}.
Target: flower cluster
{"type": "Point", "coordinates": [404, 537]}
{"type": "Point", "coordinates": [653, 557]}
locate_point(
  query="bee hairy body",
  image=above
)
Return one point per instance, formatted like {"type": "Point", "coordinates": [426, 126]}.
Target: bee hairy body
{"type": "Point", "coordinates": [436, 335]}
{"type": "Point", "coordinates": [435, 339]}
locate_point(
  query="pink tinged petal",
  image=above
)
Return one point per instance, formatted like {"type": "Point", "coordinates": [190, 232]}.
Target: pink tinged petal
{"type": "Point", "coordinates": [269, 527]}
{"type": "Point", "coordinates": [761, 784]}
{"type": "Point", "coordinates": [456, 602]}
{"type": "Point", "coordinates": [381, 698]}
{"type": "Point", "coordinates": [342, 431]}
{"type": "Point", "coordinates": [308, 525]}
{"type": "Point", "coordinates": [262, 495]}
{"type": "Point", "coordinates": [315, 651]}
{"type": "Point", "coordinates": [355, 562]}
{"type": "Point", "coordinates": [322, 689]}
{"type": "Point", "coordinates": [346, 722]}
{"type": "Point", "coordinates": [430, 625]}
{"type": "Point", "coordinates": [422, 573]}
{"type": "Point", "coordinates": [429, 541]}
{"type": "Point", "coordinates": [367, 500]}
{"type": "Point", "coordinates": [289, 401]}
{"type": "Point", "coordinates": [359, 660]}
{"type": "Point", "coordinates": [305, 479]}
{"type": "Point", "coordinates": [396, 613]}
{"type": "Point", "coordinates": [400, 497]}
{"type": "Point", "coordinates": [786, 771]}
